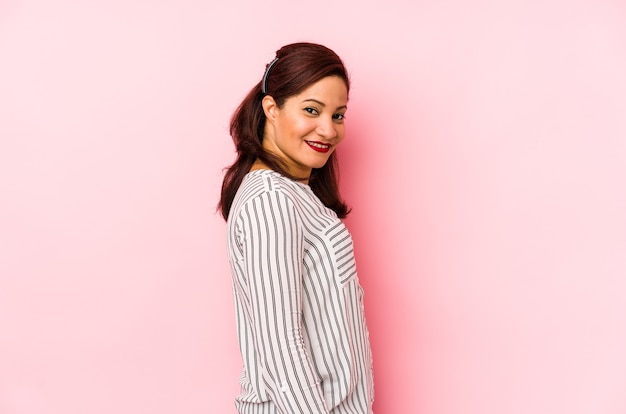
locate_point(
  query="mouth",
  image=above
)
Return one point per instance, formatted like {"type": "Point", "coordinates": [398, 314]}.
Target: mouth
{"type": "Point", "coordinates": [318, 146]}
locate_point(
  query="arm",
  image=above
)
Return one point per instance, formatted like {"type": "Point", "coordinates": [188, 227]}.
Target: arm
{"type": "Point", "coordinates": [273, 250]}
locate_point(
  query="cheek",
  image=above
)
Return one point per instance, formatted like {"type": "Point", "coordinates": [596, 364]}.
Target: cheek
{"type": "Point", "coordinates": [303, 126]}
{"type": "Point", "coordinates": [291, 127]}
{"type": "Point", "coordinates": [341, 133]}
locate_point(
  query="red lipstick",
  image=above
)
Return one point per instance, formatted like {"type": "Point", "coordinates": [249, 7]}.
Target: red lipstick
{"type": "Point", "coordinates": [318, 146]}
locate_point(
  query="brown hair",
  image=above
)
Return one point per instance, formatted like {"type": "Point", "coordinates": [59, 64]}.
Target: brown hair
{"type": "Point", "coordinates": [298, 66]}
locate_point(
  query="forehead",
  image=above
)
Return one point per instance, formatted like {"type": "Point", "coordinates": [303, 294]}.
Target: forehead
{"type": "Point", "coordinates": [331, 90]}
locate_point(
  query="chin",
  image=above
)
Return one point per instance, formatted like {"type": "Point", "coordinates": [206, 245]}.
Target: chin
{"type": "Point", "coordinates": [318, 165]}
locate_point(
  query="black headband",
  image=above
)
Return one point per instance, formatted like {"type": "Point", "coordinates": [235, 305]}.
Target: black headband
{"type": "Point", "coordinates": [266, 75]}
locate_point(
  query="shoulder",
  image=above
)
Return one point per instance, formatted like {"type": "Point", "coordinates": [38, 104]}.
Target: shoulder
{"type": "Point", "coordinates": [267, 187]}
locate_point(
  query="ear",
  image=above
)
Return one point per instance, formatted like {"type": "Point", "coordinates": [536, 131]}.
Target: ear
{"type": "Point", "coordinates": [270, 108]}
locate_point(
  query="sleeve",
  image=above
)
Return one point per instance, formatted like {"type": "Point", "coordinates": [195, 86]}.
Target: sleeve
{"type": "Point", "coordinates": [273, 252]}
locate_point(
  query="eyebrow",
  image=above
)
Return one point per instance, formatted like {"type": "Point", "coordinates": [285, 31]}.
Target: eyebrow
{"type": "Point", "coordinates": [322, 104]}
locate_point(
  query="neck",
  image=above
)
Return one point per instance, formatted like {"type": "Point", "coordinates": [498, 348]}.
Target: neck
{"type": "Point", "coordinates": [260, 165]}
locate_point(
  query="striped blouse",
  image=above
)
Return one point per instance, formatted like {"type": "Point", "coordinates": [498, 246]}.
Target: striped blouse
{"type": "Point", "coordinates": [299, 307]}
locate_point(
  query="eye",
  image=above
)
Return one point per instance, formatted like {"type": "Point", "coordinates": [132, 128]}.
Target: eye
{"type": "Point", "coordinates": [311, 111]}
{"type": "Point", "coordinates": [339, 117]}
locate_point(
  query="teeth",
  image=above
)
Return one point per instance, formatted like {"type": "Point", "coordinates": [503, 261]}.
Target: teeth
{"type": "Point", "coordinates": [317, 145]}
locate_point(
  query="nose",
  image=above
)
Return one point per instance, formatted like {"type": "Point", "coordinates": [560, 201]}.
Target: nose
{"type": "Point", "coordinates": [326, 128]}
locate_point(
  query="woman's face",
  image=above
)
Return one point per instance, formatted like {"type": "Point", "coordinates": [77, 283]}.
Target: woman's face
{"type": "Point", "coordinates": [308, 127]}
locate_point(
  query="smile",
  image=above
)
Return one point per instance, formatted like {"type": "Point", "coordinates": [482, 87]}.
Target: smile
{"type": "Point", "coordinates": [318, 146]}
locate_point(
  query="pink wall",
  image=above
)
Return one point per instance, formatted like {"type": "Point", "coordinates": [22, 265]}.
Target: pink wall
{"type": "Point", "coordinates": [485, 161]}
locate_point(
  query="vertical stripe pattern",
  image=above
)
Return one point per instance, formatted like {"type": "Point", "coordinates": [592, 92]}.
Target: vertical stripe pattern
{"type": "Point", "coordinates": [298, 303]}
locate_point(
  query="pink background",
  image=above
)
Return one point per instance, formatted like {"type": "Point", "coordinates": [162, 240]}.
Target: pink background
{"type": "Point", "coordinates": [485, 162]}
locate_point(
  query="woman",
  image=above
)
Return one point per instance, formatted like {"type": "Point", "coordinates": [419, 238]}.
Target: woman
{"type": "Point", "coordinates": [299, 306]}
